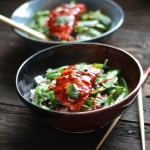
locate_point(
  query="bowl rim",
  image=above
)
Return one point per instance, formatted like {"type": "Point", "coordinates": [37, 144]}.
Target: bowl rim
{"type": "Point", "coordinates": [84, 112]}
{"type": "Point", "coordinates": [110, 31]}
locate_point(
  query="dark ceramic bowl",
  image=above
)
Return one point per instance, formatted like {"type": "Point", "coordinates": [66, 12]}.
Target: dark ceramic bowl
{"type": "Point", "coordinates": [24, 15]}
{"type": "Point", "coordinates": [71, 54]}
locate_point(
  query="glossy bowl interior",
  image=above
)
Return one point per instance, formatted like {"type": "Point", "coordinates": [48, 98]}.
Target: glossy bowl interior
{"type": "Point", "coordinates": [24, 15]}
{"type": "Point", "coordinates": [71, 54]}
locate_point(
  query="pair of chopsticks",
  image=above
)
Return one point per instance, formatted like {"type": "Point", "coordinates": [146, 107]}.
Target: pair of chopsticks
{"type": "Point", "coordinates": [23, 28]}
{"type": "Point", "coordinates": [141, 116]}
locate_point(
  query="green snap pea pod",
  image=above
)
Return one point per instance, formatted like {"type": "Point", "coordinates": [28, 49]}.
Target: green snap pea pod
{"type": "Point", "coordinates": [85, 67]}
{"type": "Point", "coordinates": [107, 101]}
{"type": "Point", "coordinates": [39, 21]}
{"type": "Point", "coordinates": [98, 90]}
{"type": "Point", "coordinates": [109, 75]}
{"type": "Point", "coordinates": [98, 15]}
{"type": "Point", "coordinates": [111, 82]}
{"type": "Point", "coordinates": [124, 92]}
{"type": "Point", "coordinates": [101, 27]}
{"type": "Point", "coordinates": [89, 101]}
{"type": "Point", "coordinates": [87, 23]}
{"type": "Point", "coordinates": [93, 32]}
{"type": "Point", "coordinates": [54, 73]}
{"type": "Point", "coordinates": [42, 13]}
{"type": "Point", "coordinates": [104, 19]}
{"type": "Point", "coordinates": [119, 91]}
{"type": "Point", "coordinates": [85, 108]}
{"type": "Point", "coordinates": [92, 24]}
{"type": "Point", "coordinates": [112, 73]}
{"type": "Point", "coordinates": [88, 30]}
{"type": "Point", "coordinates": [87, 104]}
{"type": "Point", "coordinates": [91, 15]}
{"type": "Point", "coordinates": [106, 86]}
{"type": "Point", "coordinates": [112, 91]}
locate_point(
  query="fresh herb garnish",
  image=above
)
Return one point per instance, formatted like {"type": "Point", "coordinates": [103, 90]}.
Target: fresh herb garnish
{"type": "Point", "coordinates": [62, 20]}
{"type": "Point", "coordinates": [72, 91]}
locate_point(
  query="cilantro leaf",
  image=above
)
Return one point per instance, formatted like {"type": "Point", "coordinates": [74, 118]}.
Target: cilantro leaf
{"type": "Point", "coordinates": [72, 91]}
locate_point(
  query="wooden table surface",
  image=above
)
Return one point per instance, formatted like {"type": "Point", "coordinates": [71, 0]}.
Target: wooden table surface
{"type": "Point", "coordinates": [21, 130]}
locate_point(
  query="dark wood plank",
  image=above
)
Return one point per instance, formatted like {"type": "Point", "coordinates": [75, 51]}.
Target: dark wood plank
{"type": "Point", "coordinates": [19, 128]}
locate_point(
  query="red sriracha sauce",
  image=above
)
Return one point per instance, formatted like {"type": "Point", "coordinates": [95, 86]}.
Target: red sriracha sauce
{"type": "Point", "coordinates": [83, 82]}
{"type": "Point", "coordinates": [63, 18]}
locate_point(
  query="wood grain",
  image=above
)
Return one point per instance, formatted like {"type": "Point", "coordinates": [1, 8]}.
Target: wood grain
{"type": "Point", "coordinates": [21, 130]}
{"type": "Point", "coordinates": [18, 127]}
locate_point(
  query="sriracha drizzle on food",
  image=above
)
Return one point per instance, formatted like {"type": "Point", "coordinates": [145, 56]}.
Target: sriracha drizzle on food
{"type": "Point", "coordinates": [62, 19]}
{"type": "Point", "coordinates": [79, 87]}
{"type": "Point", "coordinates": [83, 82]}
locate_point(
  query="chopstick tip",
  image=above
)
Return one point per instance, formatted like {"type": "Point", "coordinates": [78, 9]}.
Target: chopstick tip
{"type": "Point", "coordinates": [148, 71]}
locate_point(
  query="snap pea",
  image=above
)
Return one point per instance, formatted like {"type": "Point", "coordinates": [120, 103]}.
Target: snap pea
{"type": "Point", "coordinates": [108, 88]}
{"type": "Point", "coordinates": [87, 23]}
{"type": "Point", "coordinates": [111, 73]}
{"type": "Point", "coordinates": [85, 107]}
{"type": "Point", "coordinates": [98, 90]}
{"type": "Point", "coordinates": [88, 105]}
{"type": "Point", "coordinates": [91, 31]}
{"type": "Point", "coordinates": [54, 73]}
{"type": "Point", "coordinates": [98, 15]}
{"type": "Point", "coordinates": [124, 91]}
{"type": "Point", "coordinates": [104, 19]}
{"type": "Point", "coordinates": [110, 82]}
{"type": "Point", "coordinates": [91, 23]}
{"type": "Point", "coordinates": [41, 13]}
{"type": "Point", "coordinates": [39, 21]}
{"type": "Point", "coordinates": [123, 94]}
{"type": "Point", "coordinates": [107, 101]}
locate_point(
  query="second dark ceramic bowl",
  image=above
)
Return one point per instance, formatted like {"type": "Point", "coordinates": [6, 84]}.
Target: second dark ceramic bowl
{"type": "Point", "coordinates": [24, 15]}
{"type": "Point", "coordinates": [71, 54]}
